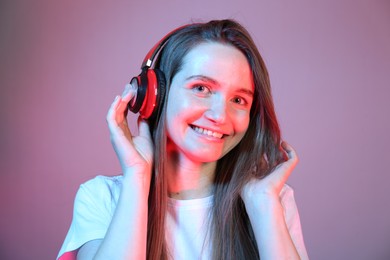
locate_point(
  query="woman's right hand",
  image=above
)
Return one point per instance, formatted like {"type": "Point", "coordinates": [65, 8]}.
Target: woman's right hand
{"type": "Point", "coordinates": [135, 153]}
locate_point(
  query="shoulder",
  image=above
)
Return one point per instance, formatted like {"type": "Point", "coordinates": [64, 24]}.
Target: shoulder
{"type": "Point", "coordinates": [102, 183]}
{"type": "Point", "coordinates": [94, 207]}
{"type": "Point", "coordinates": [289, 205]}
{"type": "Point", "coordinates": [99, 191]}
{"type": "Point", "coordinates": [292, 219]}
{"type": "Point", "coordinates": [288, 201]}
{"type": "Point", "coordinates": [286, 192]}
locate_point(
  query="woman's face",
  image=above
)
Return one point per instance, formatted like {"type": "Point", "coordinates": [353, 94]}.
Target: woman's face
{"type": "Point", "coordinates": [209, 102]}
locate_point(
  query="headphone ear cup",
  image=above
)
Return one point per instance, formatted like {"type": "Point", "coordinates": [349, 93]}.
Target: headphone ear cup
{"type": "Point", "coordinates": [150, 97]}
{"type": "Point", "coordinates": [161, 91]}
{"type": "Point", "coordinates": [155, 87]}
{"type": "Point", "coordinates": [140, 83]}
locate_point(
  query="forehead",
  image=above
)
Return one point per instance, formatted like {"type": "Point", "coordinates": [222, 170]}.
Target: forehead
{"type": "Point", "coordinates": [222, 62]}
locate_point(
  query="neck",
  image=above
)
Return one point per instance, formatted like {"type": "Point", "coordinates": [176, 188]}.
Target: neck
{"type": "Point", "coordinates": [188, 179]}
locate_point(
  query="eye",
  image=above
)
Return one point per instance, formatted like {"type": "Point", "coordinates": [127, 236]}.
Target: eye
{"type": "Point", "coordinates": [201, 89]}
{"type": "Point", "coordinates": [240, 101]}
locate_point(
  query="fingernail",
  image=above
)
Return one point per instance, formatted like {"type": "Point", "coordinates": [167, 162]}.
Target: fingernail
{"type": "Point", "coordinates": [126, 90]}
{"type": "Point", "coordinates": [132, 86]}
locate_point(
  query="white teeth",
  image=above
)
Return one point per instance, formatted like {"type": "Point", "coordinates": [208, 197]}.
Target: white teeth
{"type": "Point", "coordinates": [207, 132]}
{"type": "Point", "coordinates": [217, 135]}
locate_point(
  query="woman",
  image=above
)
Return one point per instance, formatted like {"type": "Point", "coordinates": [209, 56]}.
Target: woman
{"type": "Point", "coordinates": [205, 178]}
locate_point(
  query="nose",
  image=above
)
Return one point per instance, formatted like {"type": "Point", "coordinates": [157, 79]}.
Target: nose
{"type": "Point", "coordinates": [217, 110]}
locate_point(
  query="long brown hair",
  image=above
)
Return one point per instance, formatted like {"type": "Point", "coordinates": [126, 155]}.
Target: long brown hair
{"type": "Point", "coordinates": [255, 156]}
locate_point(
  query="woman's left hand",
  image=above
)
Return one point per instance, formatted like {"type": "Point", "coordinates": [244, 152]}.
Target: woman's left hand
{"type": "Point", "coordinates": [271, 186]}
{"type": "Point", "coordinates": [266, 212]}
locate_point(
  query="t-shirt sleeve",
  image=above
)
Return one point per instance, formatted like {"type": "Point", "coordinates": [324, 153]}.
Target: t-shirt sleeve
{"type": "Point", "coordinates": [293, 220]}
{"type": "Point", "coordinates": [92, 214]}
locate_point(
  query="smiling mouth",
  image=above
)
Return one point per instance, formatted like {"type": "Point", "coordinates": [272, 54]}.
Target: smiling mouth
{"type": "Point", "coordinates": [207, 132]}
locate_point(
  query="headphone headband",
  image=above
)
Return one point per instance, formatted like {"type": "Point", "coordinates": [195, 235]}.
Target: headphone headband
{"type": "Point", "coordinates": [151, 55]}
{"type": "Point", "coordinates": [150, 83]}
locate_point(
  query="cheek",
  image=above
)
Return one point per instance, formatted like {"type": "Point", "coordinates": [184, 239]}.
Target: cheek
{"type": "Point", "coordinates": [241, 122]}
{"type": "Point", "coordinates": [184, 107]}
{"type": "Point", "coordinates": [177, 114]}
{"type": "Point", "coordinates": [176, 101]}
{"type": "Point", "coordinates": [171, 120]}
{"type": "Point", "coordinates": [173, 107]}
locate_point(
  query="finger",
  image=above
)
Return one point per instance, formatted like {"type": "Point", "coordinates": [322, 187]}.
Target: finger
{"type": "Point", "coordinates": [116, 118]}
{"type": "Point", "coordinates": [112, 110]}
{"type": "Point", "coordinates": [290, 152]}
{"type": "Point", "coordinates": [284, 170]}
{"type": "Point", "coordinates": [129, 92]}
{"type": "Point", "coordinates": [127, 95]}
{"type": "Point", "coordinates": [143, 128]}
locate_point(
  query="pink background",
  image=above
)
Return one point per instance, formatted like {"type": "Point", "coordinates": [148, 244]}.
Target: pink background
{"type": "Point", "coordinates": [62, 63]}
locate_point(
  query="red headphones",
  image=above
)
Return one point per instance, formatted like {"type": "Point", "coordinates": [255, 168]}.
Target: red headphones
{"type": "Point", "coordinates": [150, 83]}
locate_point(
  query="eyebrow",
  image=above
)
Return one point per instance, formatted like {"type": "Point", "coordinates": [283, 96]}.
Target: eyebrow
{"type": "Point", "coordinates": [213, 81]}
{"type": "Point", "coordinates": [203, 78]}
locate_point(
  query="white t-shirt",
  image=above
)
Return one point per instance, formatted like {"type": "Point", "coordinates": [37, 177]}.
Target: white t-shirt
{"type": "Point", "coordinates": [186, 222]}
{"type": "Point", "coordinates": [187, 225]}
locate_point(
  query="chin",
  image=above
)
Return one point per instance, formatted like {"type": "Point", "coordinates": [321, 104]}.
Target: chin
{"type": "Point", "coordinates": [205, 157]}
